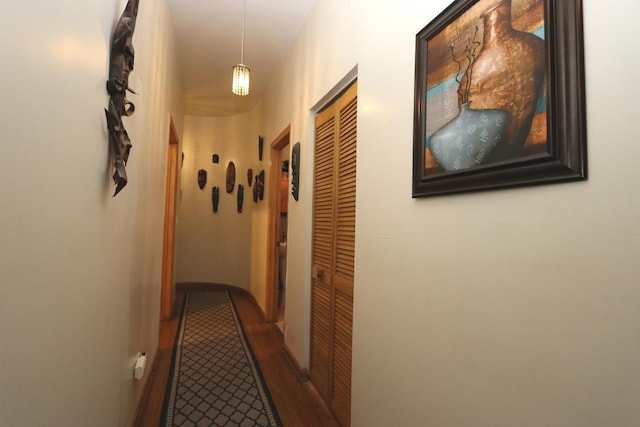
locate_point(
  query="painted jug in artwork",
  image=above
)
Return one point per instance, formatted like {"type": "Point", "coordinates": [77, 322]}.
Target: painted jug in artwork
{"type": "Point", "coordinates": [507, 74]}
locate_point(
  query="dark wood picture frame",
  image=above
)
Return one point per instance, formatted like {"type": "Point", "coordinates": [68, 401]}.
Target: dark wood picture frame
{"type": "Point", "coordinates": [448, 47]}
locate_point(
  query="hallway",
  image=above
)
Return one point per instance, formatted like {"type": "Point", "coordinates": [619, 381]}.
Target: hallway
{"type": "Point", "coordinates": [297, 402]}
{"type": "Point", "coordinates": [513, 307]}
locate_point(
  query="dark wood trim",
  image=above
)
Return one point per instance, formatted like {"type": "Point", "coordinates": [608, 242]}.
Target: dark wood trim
{"type": "Point", "coordinates": [203, 286]}
{"type": "Point", "coordinates": [144, 396]}
{"type": "Point", "coordinates": [302, 374]}
{"type": "Point", "coordinates": [168, 290]}
{"type": "Point", "coordinates": [208, 286]}
{"type": "Point", "coordinates": [151, 401]}
{"type": "Point", "coordinates": [273, 224]}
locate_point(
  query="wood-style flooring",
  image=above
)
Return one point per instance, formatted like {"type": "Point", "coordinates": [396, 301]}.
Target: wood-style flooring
{"type": "Point", "coordinates": [297, 402]}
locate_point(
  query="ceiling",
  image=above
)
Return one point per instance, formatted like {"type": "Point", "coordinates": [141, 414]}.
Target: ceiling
{"type": "Point", "coordinates": [209, 38]}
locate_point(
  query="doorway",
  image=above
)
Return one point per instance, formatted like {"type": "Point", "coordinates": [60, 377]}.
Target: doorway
{"type": "Point", "coordinates": [168, 289]}
{"type": "Point", "coordinates": [282, 235]}
{"type": "Point", "coordinates": [277, 229]}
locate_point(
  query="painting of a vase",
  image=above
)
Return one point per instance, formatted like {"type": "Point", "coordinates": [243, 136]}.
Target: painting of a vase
{"type": "Point", "coordinates": [507, 74]}
{"type": "Point", "coordinates": [499, 97]}
{"type": "Point", "coordinates": [469, 138]}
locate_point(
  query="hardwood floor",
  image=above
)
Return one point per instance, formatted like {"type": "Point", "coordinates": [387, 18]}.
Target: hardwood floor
{"type": "Point", "coordinates": [297, 402]}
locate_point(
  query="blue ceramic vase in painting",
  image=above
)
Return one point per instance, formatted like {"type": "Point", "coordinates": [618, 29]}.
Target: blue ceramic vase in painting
{"type": "Point", "coordinates": [469, 138]}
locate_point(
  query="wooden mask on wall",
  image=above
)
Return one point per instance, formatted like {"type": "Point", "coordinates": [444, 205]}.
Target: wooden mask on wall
{"type": "Point", "coordinates": [260, 183]}
{"type": "Point", "coordinates": [231, 177]}
{"type": "Point", "coordinates": [202, 178]}
{"type": "Point", "coordinates": [215, 198]}
{"type": "Point", "coordinates": [240, 197]}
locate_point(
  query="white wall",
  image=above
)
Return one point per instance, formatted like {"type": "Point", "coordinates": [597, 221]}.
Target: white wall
{"type": "Point", "coordinates": [217, 247]}
{"type": "Point", "coordinates": [80, 270]}
{"type": "Point", "coordinates": [508, 308]}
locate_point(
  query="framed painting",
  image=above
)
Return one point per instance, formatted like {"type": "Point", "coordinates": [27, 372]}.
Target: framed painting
{"type": "Point", "coordinates": [499, 97]}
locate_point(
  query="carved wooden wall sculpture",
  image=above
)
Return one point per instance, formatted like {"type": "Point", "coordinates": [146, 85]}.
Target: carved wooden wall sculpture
{"type": "Point", "coordinates": [120, 65]}
{"type": "Point", "coordinates": [295, 168]}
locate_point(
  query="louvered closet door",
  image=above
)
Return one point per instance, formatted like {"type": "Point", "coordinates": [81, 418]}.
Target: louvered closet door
{"type": "Point", "coordinates": [323, 236]}
{"type": "Point", "coordinates": [333, 253]}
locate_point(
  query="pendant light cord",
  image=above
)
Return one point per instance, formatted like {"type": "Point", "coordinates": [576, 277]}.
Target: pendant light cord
{"type": "Point", "coordinates": [244, 19]}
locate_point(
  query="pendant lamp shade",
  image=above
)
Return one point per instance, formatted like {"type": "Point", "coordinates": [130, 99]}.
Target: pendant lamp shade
{"type": "Point", "coordinates": [240, 85]}
{"type": "Point", "coordinates": [240, 80]}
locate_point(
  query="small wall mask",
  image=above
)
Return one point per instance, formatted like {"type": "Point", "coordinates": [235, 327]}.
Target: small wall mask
{"type": "Point", "coordinates": [231, 177]}
{"type": "Point", "coordinates": [240, 197]}
{"type": "Point", "coordinates": [215, 198]}
{"type": "Point", "coordinates": [260, 183]}
{"type": "Point", "coordinates": [202, 178]}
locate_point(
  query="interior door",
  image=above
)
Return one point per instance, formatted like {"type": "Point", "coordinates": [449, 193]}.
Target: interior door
{"type": "Point", "coordinates": [333, 249]}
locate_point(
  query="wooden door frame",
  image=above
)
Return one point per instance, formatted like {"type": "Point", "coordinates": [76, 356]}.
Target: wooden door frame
{"type": "Point", "coordinates": [273, 224]}
{"type": "Point", "coordinates": [168, 244]}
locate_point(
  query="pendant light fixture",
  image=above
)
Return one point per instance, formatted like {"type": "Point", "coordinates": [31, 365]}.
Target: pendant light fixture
{"type": "Point", "coordinates": [240, 84]}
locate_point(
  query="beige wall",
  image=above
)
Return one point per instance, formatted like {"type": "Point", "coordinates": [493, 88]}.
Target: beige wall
{"type": "Point", "coordinates": [508, 308]}
{"type": "Point", "coordinates": [226, 247]}
{"type": "Point", "coordinates": [216, 247]}
{"type": "Point", "coordinates": [80, 270]}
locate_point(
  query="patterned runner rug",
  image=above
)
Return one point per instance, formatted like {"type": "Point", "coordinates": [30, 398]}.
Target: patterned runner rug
{"type": "Point", "coordinates": [215, 379]}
